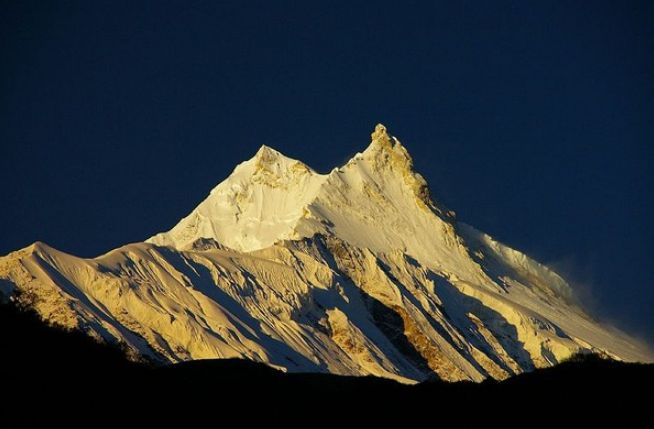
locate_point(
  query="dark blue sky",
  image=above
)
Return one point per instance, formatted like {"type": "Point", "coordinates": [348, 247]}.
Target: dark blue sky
{"type": "Point", "coordinates": [533, 122]}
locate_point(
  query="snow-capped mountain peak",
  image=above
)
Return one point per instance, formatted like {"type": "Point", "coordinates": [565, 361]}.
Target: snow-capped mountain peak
{"type": "Point", "coordinates": [271, 167]}
{"type": "Point", "coordinates": [382, 143]}
{"type": "Point", "coordinates": [385, 152]}
{"type": "Point", "coordinates": [353, 272]}
{"type": "Point", "coordinates": [257, 205]}
{"type": "Point", "coordinates": [272, 197]}
{"type": "Point", "coordinates": [270, 161]}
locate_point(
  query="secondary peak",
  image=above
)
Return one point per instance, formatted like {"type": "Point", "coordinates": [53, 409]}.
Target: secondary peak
{"type": "Point", "coordinates": [266, 154]}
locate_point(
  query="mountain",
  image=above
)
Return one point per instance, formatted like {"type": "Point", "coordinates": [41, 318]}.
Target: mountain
{"type": "Point", "coordinates": [355, 272]}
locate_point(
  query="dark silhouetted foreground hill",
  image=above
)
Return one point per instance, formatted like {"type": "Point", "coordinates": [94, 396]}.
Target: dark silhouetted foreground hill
{"type": "Point", "coordinates": [52, 366]}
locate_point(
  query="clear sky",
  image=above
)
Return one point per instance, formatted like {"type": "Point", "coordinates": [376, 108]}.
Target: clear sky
{"type": "Point", "coordinates": [534, 122]}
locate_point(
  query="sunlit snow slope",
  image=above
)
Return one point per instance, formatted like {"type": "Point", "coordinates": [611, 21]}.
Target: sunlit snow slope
{"type": "Point", "coordinates": [356, 272]}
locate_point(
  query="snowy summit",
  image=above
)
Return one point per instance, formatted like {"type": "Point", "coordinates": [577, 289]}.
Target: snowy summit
{"type": "Point", "coordinates": [356, 272]}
